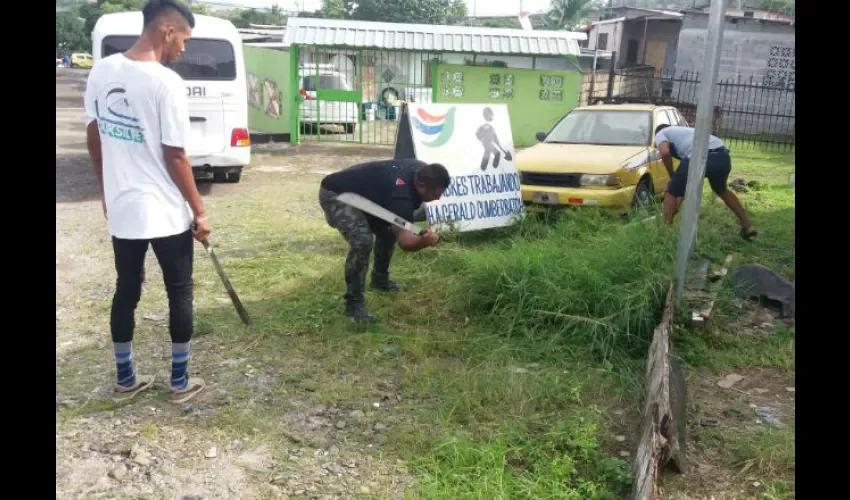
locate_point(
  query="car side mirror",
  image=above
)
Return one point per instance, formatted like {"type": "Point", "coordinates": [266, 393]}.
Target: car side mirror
{"type": "Point", "coordinates": [541, 136]}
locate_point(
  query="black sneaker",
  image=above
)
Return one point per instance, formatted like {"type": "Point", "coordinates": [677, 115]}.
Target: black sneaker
{"type": "Point", "coordinates": [386, 286]}
{"type": "Point", "coordinates": [358, 312]}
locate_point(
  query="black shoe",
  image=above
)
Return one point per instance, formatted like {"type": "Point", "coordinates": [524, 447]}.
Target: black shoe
{"type": "Point", "coordinates": [386, 286]}
{"type": "Point", "coordinates": [358, 312]}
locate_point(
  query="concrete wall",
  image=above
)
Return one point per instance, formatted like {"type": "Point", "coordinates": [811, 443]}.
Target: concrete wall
{"type": "Point", "coordinates": [757, 72]}
{"type": "Point", "coordinates": [746, 47]}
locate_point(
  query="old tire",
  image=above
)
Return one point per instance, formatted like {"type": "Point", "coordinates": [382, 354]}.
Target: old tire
{"type": "Point", "coordinates": [234, 177]}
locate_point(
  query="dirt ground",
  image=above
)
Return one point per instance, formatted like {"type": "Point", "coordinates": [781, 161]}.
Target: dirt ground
{"type": "Point", "coordinates": [717, 468]}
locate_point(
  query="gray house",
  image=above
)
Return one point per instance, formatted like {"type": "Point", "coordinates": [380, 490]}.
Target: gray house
{"type": "Point", "coordinates": [754, 49]}
{"type": "Point", "coordinates": [640, 37]}
{"type": "Point", "coordinates": [756, 77]}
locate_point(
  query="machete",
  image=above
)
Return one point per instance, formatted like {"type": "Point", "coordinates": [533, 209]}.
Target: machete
{"type": "Point", "coordinates": [243, 314]}
{"type": "Point", "coordinates": [372, 208]}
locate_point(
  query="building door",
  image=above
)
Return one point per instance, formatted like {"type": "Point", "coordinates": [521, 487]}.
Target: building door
{"type": "Point", "coordinates": [656, 53]}
{"type": "Point", "coordinates": [632, 53]}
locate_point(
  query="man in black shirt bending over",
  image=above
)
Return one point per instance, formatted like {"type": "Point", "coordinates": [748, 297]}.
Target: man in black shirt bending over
{"type": "Point", "coordinates": [400, 186]}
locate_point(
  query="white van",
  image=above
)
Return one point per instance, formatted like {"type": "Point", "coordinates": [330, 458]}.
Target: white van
{"type": "Point", "coordinates": [213, 68]}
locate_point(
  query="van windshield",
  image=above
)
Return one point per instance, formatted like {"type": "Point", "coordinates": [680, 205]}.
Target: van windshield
{"type": "Point", "coordinates": [204, 59]}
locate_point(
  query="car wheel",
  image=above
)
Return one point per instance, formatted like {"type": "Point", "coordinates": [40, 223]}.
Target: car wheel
{"type": "Point", "coordinates": [234, 177]}
{"type": "Point", "coordinates": [219, 176]}
{"type": "Point", "coordinates": [349, 128]}
{"type": "Point", "coordinates": [643, 194]}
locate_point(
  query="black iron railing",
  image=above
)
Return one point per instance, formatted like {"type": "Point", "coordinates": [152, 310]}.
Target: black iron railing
{"type": "Point", "coordinates": [747, 113]}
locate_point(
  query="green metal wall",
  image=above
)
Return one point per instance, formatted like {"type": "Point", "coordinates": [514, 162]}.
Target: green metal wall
{"type": "Point", "coordinates": [536, 99]}
{"type": "Point", "coordinates": [269, 96]}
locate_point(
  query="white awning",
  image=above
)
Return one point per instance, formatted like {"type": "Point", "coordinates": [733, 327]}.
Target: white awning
{"type": "Point", "coordinates": [431, 38]}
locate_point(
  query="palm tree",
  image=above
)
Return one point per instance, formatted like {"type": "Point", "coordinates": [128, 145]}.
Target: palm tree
{"type": "Point", "coordinates": [566, 14]}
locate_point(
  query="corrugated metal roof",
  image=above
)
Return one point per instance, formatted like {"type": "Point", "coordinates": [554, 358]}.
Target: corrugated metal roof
{"type": "Point", "coordinates": [431, 38]}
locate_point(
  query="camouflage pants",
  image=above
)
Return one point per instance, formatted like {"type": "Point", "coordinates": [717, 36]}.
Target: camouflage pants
{"type": "Point", "coordinates": [354, 227]}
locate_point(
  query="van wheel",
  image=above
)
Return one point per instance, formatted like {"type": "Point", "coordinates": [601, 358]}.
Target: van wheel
{"type": "Point", "coordinates": [219, 176]}
{"type": "Point", "coordinates": [643, 194]}
{"type": "Point", "coordinates": [234, 177]}
{"type": "Point", "coordinates": [349, 128]}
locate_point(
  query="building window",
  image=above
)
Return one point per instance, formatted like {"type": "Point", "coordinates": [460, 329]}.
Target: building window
{"type": "Point", "coordinates": [602, 41]}
{"type": "Point", "coordinates": [780, 68]}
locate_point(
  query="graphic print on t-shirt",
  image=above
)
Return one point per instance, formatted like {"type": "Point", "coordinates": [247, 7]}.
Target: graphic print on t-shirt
{"type": "Point", "coordinates": [115, 116]}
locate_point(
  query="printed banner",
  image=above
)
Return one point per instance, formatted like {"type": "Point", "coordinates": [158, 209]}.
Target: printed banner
{"type": "Point", "coordinates": [474, 142]}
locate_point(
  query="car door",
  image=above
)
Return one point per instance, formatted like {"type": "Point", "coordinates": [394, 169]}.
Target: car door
{"type": "Point", "coordinates": [659, 174]}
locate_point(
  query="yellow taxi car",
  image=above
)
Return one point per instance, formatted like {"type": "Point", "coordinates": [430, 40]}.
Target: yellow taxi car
{"type": "Point", "coordinates": [81, 60]}
{"type": "Point", "coordinates": [601, 155]}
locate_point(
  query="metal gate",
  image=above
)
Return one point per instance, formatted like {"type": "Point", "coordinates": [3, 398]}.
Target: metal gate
{"type": "Point", "coordinates": [354, 96]}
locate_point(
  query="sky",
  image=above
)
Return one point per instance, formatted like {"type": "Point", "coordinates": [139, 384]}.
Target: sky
{"type": "Point", "coordinates": [477, 7]}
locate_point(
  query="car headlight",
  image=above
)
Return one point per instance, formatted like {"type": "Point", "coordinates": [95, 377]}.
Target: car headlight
{"type": "Point", "coordinates": [600, 180]}
{"type": "Point", "coordinates": [637, 161]}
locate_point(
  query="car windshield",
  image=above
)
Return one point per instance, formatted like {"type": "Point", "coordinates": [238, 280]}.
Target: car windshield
{"type": "Point", "coordinates": [604, 128]}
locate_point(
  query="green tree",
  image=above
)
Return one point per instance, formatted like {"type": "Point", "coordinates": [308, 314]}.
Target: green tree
{"type": "Point", "coordinates": [566, 14]}
{"type": "Point", "coordinates": [71, 33]}
{"type": "Point", "coordinates": [91, 11]}
{"type": "Point", "coordinates": [242, 18]}
{"type": "Point", "coordinates": [786, 7]}
{"type": "Point", "coordinates": [457, 10]}
{"type": "Point", "coordinates": [333, 9]}
{"type": "Point", "coordinates": [404, 11]}
{"type": "Point", "coordinates": [504, 22]}
{"type": "Point", "coordinates": [202, 10]}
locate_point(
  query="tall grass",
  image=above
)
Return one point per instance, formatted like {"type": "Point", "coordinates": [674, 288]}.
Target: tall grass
{"type": "Point", "coordinates": [585, 279]}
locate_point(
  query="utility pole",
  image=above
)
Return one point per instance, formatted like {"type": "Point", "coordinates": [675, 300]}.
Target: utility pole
{"type": "Point", "coordinates": [702, 131]}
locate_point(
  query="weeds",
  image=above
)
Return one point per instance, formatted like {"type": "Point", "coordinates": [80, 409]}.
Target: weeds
{"type": "Point", "coordinates": [591, 282]}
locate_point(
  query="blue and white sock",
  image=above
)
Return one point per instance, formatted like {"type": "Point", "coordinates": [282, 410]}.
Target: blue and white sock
{"type": "Point", "coordinates": [124, 363]}
{"type": "Point", "coordinates": [179, 365]}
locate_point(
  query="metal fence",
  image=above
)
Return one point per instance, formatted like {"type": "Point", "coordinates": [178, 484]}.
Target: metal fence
{"type": "Point", "coordinates": [747, 113]}
{"type": "Point", "coordinates": [355, 96]}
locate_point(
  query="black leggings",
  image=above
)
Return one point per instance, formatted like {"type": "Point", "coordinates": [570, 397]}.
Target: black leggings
{"type": "Point", "coordinates": [175, 254]}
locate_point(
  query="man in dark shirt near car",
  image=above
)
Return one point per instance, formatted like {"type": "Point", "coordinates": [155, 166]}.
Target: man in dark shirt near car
{"type": "Point", "coordinates": [400, 186]}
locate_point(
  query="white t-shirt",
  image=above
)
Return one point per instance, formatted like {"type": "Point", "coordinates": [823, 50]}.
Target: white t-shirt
{"type": "Point", "coordinates": [139, 107]}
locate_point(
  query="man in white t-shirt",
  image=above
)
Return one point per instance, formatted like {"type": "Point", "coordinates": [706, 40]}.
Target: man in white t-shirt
{"type": "Point", "coordinates": [138, 125]}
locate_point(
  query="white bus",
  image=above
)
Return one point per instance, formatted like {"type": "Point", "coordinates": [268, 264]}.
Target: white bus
{"type": "Point", "coordinates": [213, 68]}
